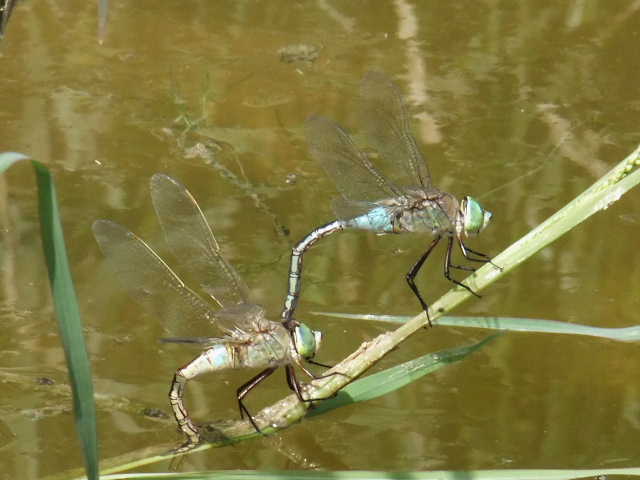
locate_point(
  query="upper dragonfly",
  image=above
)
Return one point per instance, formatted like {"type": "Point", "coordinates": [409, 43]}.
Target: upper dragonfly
{"type": "Point", "coordinates": [248, 339]}
{"type": "Point", "coordinates": [404, 201]}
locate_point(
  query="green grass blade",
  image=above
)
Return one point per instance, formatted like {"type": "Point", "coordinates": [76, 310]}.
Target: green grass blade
{"type": "Point", "coordinates": [539, 474]}
{"type": "Point", "coordinates": [394, 378]}
{"type": "Point", "coordinates": [511, 324]}
{"type": "Point", "coordinates": [506, 474]}
{"type": "Point", "coordinates": [66, 308]}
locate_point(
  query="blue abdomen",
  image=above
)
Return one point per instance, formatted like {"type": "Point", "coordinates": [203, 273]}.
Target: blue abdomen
{"type": "Point", "coordinates": [377, 219]}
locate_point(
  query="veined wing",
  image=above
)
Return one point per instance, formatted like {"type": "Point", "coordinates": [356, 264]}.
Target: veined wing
{"type": "Point", "coordinates": [384, 120]}
{"type": "Point", "coordinates": [243, 323]}
{"type": "Point", "coordinates": [247, 319]}
{"type": "Point", "coordinates": [348, 209]}
{"type": "Point", "coordinates": [191, 239]}
{"type": "Point", "coordinates": [240, 323]}
{"type": "Point", "coordinates": [353, 173]}
{"type": "Point", "coordinates": [148, 279]}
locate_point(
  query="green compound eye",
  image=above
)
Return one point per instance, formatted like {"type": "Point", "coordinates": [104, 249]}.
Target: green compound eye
{"type": "Point", "coordinates": [307, 341]}
{"type": "Point", "coordinates": [475, 217]}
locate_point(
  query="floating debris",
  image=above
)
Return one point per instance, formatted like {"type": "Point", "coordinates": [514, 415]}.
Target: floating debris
{"type": "Point", "coordinates": [299, 52]}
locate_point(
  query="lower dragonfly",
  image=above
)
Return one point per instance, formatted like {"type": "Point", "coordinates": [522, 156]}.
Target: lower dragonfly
{"type": "Point", "coordinates": [378, 203]}
{"type": "Point", "coordinates": [249, 339]}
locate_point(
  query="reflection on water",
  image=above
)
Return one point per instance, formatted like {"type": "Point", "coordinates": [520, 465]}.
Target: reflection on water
{"type": "Point", "coordinates": [493, 90]}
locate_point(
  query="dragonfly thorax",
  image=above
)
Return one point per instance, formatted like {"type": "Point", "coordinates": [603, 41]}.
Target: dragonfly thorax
{"type": "Point", "coordinates": [306, 341]}
{"type": "Point", "coordinates": [426, 211]}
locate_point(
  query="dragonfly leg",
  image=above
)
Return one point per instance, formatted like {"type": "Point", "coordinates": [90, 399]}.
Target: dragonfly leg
{"type": "Point", "coordinates": [411, 275]}
{"type": "Point", "coordinates": [246, 388]}
{"type": "Point", "coordinates": [323, 365]}
{"type": "Point", "coordinates": [294, 384]}
{"type": "Point", "coordinates": [312, 375]}
{"type": "Point", "coordinates": [448, 265]}
{"type": "Point", "coordinates": [465, 268]}
{"type": "Point", "coordinates": [483, 257]}
{"type": "Point", "coordinates": [464, 250]}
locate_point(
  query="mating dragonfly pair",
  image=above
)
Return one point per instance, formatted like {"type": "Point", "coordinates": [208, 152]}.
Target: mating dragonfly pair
{"type": "Point", "coordinates": [403, 202]}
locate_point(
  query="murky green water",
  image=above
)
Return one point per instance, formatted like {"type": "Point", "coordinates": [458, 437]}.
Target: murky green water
{"type": "Point", "coordinates": [200, 91]}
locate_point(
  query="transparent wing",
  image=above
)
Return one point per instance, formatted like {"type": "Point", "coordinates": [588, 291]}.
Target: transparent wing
{"type": "Point", "coordinates": [247, 319]}
{"type": "Point", "coordinates": [148, 279]}
{"type": "Point", "coordinates": [355, 176]}
{"type": "Point", "coordinates": [194, 340]}
{"type": "Point", "coordinates": [192, 241]}
{"type": "Point", "coordinates": [347, 209]}
{"type": "Point", "coordinates": [386, 126]}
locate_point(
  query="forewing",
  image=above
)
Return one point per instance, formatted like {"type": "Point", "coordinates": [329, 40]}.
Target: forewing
{"type": "Point", "coordinates": [243, 321]}
{"type": "Point", "coordinates": [354, 175]}
{"type": "Point", "coordinates": [386, 126]}
{"type": "Point", "coordinates": [192, 241]}
{"type": "Point", "coordinates": [148, 279]}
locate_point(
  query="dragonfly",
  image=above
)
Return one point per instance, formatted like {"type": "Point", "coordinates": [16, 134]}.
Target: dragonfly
{"type": "Point", "coordinates": [248, 339]}
{"type": "Point", "coordinates": [404, 201]}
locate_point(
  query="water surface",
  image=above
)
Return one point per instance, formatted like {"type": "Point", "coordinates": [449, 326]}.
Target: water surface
{"type": "Point", "coordinates": [545, 92]}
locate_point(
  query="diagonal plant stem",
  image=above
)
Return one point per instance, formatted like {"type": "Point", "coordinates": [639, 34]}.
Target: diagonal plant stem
{"type": "Point", "coordinates": [599, 196]}
{"type": "Point", "coordinates": [285, 412]}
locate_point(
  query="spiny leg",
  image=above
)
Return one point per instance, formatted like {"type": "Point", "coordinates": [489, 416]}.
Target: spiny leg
{"type": "Point", "coordinates": [246, 388]}
{"type": "Point", "coordinates": [466, 251]}
{"type": "Point", "coordinates": [448, 265]}
{"type": "Point", "coordinates": [483, 257]}
{"type": "Point", "coordinates": [465, 268]}
{"type": "Point", "coordinates": [292, 381]}
{"type": "Point", "coordinates": [411, 275]}
{"type": "Point", "coordinates": [312, 375]}
{"type": "Point", "coordinates": [323, 365]}
{"type": "Point", "coordinates": [294, 384]}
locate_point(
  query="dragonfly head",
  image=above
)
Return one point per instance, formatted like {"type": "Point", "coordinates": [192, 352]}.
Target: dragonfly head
{"type": "Point", "coordinates": [474, 217]}
{"type": "Point", "coordinates": [307, 341]}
